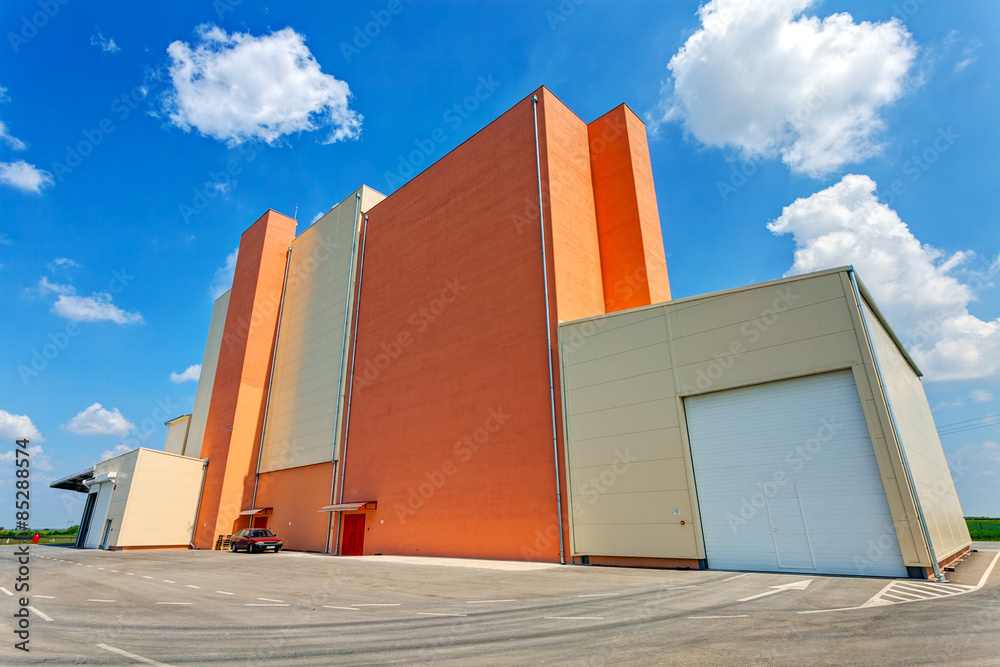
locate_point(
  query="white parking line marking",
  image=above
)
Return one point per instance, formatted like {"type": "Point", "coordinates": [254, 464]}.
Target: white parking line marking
{"type": "Point", "coordinates": [223, 592]}
{"type": "Point", "coordinates": [745, 574]}
{"type": "Point", "coordinates": [597, 595]}
{"type": "Point", "coordinates": [100, 568]}
{"type": "Point", "coordinates": [114, 570]}
{"type": "Point", "coordinates": [269, 600]}
{"type": "Point", "coordinates": [146, 576]}
{"type": "Point", "coordinates": [574, 618]}
{"type": "Point", "coordinates": [90, 566]}
{"type": "Point", "coordinates": [133, 656]}
{"type": "Point", "coordinates": [379, 604]}
{"type": "Point", "coordinates": [330, 606]}
{"type": "Point", "coordinates": [6, 591]}
{"type": "Point", "coordinates": [264, 604]}
{"type": "Point", "coordinates": [674, 588]}
{"type": "Point", "coordinates": [167, 581]}
{"type": "Point", "coordinates": [44, 617]}
{"type": "Point", "coordinates": [431, 613]}
{"type": "Point", "coordinates": [95, 600]}
{"type": "Point", "coordinates": [174, 603]}
{"type": "Point", "coordinates": [131, 574]}
{"type": "Point", "coordinates": [47, 597]}
{"type": "Point", "coordinates": [734, 616]}
{"type": "Point", "coordinates": [487, 601]}
{"type": "Point", "coordinates": [192, 586]}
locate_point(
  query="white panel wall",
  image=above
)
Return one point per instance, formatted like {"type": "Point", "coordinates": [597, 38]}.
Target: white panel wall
{"type": "Point", "coordinates": [161, 500]}
{"type": "Point", "coordinates": [932, 479]}
{"type": "Point", "coordinates": [306, 385]}
{"type": "Point", "coordinates": [203, 397]}
{"type": "Point", "coordinates": [177, 432]}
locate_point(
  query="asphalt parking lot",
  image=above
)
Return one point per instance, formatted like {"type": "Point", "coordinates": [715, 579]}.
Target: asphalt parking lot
{"type": "Point", "coordinates": [212, 607]}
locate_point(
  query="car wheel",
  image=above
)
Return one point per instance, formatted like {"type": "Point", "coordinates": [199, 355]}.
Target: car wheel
{"type": "Point", "coordinates": [232, 547]}
{"type": "Point", "coordinates": [277, 549]}
{"type": "Point", "coordinates": [249, 547]}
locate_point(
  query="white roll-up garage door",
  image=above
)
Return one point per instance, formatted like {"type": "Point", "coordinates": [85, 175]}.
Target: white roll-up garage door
{"type": "Point", "coordinates": [787, 479]}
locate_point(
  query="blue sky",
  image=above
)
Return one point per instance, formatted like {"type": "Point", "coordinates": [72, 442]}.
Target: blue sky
{"type": "Point", "coordinates": [138, 141]}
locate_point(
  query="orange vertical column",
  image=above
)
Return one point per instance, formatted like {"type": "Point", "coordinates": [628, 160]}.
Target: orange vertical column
{"type": "Point", "coordinates": [633, 263]}
{"type": "Point", "coordinates": [236, 409]}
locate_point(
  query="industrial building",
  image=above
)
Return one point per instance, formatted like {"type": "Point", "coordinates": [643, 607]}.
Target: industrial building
{"type": "Point", "coordinates": [488, 363]}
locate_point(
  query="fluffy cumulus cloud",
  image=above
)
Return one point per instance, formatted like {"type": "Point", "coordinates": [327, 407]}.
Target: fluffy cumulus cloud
{"type": "Point", "coordinates": [117, 451]}
{"type": "Point", "coordinates": [238, 87]}
{"type": "Point", "coordinates": [769, 81]}
{"type": "Point", "coordinates": [914, 284]}
{"type": "Point", "coordinates": [24, 176]}
{"type": "Point", "coordinates": [103, 43]}
{"type": "Point", "coordinates": [97, 307]}
{"type": "Point", "coordinates": [95, 420]}
{"type": "Point", "coordinates": [17, 427]}
{"type": "Point", "coordinates": [222, 281]}
{"type": "Point", "coordinates": [191, 373]}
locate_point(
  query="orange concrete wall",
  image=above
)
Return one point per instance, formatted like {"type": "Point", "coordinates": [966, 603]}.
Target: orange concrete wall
{"type": "Point", "coordinates": [232, 433]}
{"type": "Point", "coordinates": [568, 195]}
{"type": "Point", "coordinates": [633, 262]}
{"type": "Point", "coordinates": [296, 494]}
{"type": "Point", "coordinates": [450, 427]}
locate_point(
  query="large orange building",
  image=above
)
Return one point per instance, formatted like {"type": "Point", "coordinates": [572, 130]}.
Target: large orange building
{"type": "Point", "coordinates": [488, 363]}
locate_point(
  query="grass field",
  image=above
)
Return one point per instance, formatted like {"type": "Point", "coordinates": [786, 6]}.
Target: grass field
{"type": "Point", "coordinates": [983, 528]}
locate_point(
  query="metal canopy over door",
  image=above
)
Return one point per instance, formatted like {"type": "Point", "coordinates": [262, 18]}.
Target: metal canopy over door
{"type": "Point", "coordinates": [354, 535]}
{"type": "Point", "coordinates": [787, 479]}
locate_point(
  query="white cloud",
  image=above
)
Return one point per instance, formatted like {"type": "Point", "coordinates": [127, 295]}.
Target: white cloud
{"type": "Point", "coordinates": [981, 396]}
{"type": "Point", "coordinates": [913, 283]}
{"type": "Point", "coordinates": [16, 427]}
{"type": "Point", "coordinates": [190, 373]}
{"type": "Point", "coordinates": [237, 87]}
{"type": "Point", "coordinates": [117, 451]}
{"type": "Point", "coordinates": [24, 176]}
{"type": "Point", "coordinates": [45, 287]}
{"type": "Point", "coordinates": [39, 460]}
{"type": "Point", "coordinates": [95, 420]}
{"type": "Point", "coordinates": [222, 281]}
{"type": "Point", "coordinates": [10, 140]}
{"type": "Point", "coordinates": [94, 308]}
{"type": "Point", "coordinates": [317, 217]}
{"type": "Point", "coordinates": [103, 43]}
{"type": "Point", "coordinates": [760, 76]}
{"type": "Point", "coordinates": [62, 263]}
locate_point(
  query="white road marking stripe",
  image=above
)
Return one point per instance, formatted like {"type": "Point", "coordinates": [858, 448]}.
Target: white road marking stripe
{"type": "Point", "coordinates": [192, 586]}
{"type": "Point", "coordinates": [597, 595]}
{"type": "Point", "coordinates": [44, 617]}
{"type": "Point", "coordinates": [269, 600]}
{"type": "Point", "coordinates": [379, 604]}
{"type": "Point", "coordinates": [330, 606]}
{"type": "Point", "coordinates": [133, 656]}
{"type": "Point", "coordinates": [100, 568]}
{"type": "Point", "coordinates": [114, 570]}
{"type": "Point", "coordinates": [431, 613]}
{"type": "Point", "coordinates": [97, 600]}
{"type": "Point", "coordinates": [167, 581]}
{"type": "Point", "coordinates": [674, 588]}
{"type": "Point", "coordinates": [47, 597]}
{"type": "Point", "coordinates": [898, 598]}
{"type": "Point", "coordinates": [131, 574]}
{"type": "Point", "coordinates": [574, 618]}
{"type": "Point", "coordinates": [146, 576]}
{"type": "Point", "coordinates": [486, 601]}
{"type": "Point", "coordinates": [731, 578]}
{"type": "Point", "coordinates": [223, 592]}
{"type": "Point", "coordinates": [6, 591]}
{"type": "Point", "coordinates": [922, 592]}
{"type": "Point", "coordinates": [734, 616]}
{"type": "Point", "coordinates": [264, 604]}
{"type": "Point", "coordinates": [174, 603]}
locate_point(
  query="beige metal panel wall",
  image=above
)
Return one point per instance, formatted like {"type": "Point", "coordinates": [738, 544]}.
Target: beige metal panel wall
{"type": "Point", "coordinates": [623, 400]}
{"type": "Point", "coordinates": [124, 468]}
{"type": "Point", "coordinates": [203, 396]}
{"type": "Point", "coordinates": [302, 414]}
{"type": "Point", "coordinates": [917, 433]}
{"type": "Point", "coordinates": [177, 432]}
{"type": "Point", "coordinates": [162, 499]}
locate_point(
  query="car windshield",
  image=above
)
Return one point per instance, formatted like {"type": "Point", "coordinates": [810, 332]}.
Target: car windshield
{"type": "Point", "coordinates": [261, 533]}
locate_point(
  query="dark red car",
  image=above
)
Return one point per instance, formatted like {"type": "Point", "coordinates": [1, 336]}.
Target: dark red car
{"type": "Point", "coordinates": [255, 539]}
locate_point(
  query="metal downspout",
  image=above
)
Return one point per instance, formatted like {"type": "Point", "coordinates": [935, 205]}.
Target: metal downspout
{"type": "Point", "coordinates": [343, 350]}
{"type": "Point", "coordinates": [548, 333]}
{"type": "Point", "coordinates": [350, 387]}
{"type": "Point", "coordinates": [197, 512]}
{"type": "Point", "coordinates": [270, 379]}
{"type": "Point", "coordinates": [902, 449]}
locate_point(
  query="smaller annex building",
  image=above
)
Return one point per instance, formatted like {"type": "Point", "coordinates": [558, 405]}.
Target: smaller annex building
{"type": "Point", "coordinates": [776, 427]}
{"type": "Point", "coordinates": [141, 499]}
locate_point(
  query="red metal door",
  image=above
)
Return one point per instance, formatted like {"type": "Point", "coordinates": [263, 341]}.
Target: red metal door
{"type": "Point", "coordinates": [354, 535]}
